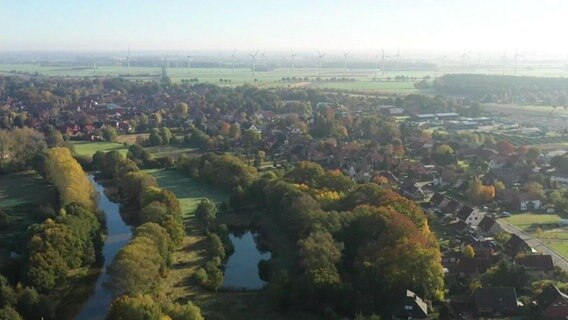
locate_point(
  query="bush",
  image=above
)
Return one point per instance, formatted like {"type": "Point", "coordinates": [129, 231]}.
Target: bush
{"type": "Point", "coordinates": [8, 313]}
{"type": "Point", "coordinates": [200, 276]}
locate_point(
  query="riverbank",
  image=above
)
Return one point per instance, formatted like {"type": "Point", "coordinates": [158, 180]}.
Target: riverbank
{"type": "Point", "coordinates": [90, 299]}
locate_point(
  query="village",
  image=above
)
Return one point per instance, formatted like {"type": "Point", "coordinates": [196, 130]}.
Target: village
{"type": "Point", "coordinates": [457, 165]}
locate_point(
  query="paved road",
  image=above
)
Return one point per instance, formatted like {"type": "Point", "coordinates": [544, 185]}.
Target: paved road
{"type": "Point", "coordinates": [535, 244]}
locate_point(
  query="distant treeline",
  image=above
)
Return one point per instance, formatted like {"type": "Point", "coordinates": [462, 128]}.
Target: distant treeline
{"type": "Point", "coordinates": [505, 89]}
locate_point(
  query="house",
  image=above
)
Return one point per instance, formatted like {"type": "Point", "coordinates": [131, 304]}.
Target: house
{"type": "Point", "coordinates": [537, 265]}
{"type": "Point", "coordinates": [488, 226]}
{"type": "Point", "coordinates": [437, 199]}
{"type": "Point", "coordinates": [413, 307]}
{"type": "Point", "coordinates": [459, 226]}
{"type": "Point", "coordinates": [485, 248]}
{"type": "Point", "coordinates": [559, 177]}
{"type": "Point", "coordinates": [469, 216]}
{"type": "Point", "coordinates": [553, 303]}
{"type": "Point", "coordinates": [390, 177]}
{"type": "Point", "coordinates": [412, 191]}
{"type": "Point", "coordinates": [496, 302]}
{"type": "Point", "coordinates": [529, 201]}
{"type": "Point", "coordinates": [516, 246]}
{"type": "Point", "coordinates": [452, 207]}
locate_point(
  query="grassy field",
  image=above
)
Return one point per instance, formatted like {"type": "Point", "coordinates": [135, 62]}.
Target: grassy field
{"type": "Point", "coordinates": [131, 138]}
{"type": "Point", "coordinates": [21, 195]}
{"type": "Point", "coordinates": [188, 191]}
{"type": "Point", "coordinates": [527, 221]}
{"type": "Point", "coordinates": [544, 227]}
{"type": "Point", "coordinates": [170, 151]}
{"type": "Point", "coordinates": [88, 148]}
{"type": "Point", "coordinates": [268, 79]}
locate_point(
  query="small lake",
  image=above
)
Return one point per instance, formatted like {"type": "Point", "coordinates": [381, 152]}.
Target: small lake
{"type": "Point", "coordinates": [96, 307]}
{"type": "Point", "coordinates": [241, 270]}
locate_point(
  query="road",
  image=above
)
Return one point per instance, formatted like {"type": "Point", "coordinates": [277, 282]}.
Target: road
{"type": "Point", "coordinates": [535, 244]}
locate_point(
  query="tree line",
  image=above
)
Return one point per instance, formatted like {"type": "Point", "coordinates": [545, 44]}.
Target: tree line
{"type": "Point", "coordinates": [141, 266]}
{"type": "Point", "coordinates": [70, 238]}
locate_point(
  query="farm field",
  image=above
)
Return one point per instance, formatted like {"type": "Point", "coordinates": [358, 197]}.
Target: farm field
{"type": "Point", "coordinates": [519, 140]}
{"type": "Point", "coordinates": [549, 116]}
{"type": "Point", "coordinates": [226, 77]}
{"type": "Point", "coordinates": [20, 198]}
{"type": "Point", "coordinates": [88, 148]}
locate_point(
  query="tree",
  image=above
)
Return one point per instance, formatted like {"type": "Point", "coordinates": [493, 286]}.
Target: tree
{"type": "Point", "coordinates": [9, 313]}
{"type": "Point", "coordinates": [166, 135]}
{"type": "Point", "coordinates": [305, 172]}
{"type": "Point", "coordinates": [505, 147]}
{"type": "Point", "coordinates": [181, 109]}
{"type": "Point", "coordinates": [319, 250]}
{"type": "Point", "coordinates": [250, 138]}
{"type": "Point", "coordinates": [478, 193]}
{"type": "Point", "coordinates": [206, 213]}
{"type": "Point", "coordinates": [109, 133]}
{"type": "Point", "coordinates": [443, 154]}
{"type": "Point", "coordinates": [155, 137]}
{"type": "Point", "coordinates": [533, 153]}
{"type": "Point", "coordinates": [469, 252]}
{"type": "Point", "coordinates": [141, 307]}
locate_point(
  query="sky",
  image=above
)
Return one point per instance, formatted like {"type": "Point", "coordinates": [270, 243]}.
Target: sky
{"type": "Point", "coordinates": [246, 25]}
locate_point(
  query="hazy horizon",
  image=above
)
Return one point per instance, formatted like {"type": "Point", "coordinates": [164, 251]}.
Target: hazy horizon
{"type": "Point", "coordinates": [362, 27]}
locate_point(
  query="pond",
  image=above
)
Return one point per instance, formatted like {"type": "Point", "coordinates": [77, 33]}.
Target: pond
{"type": "Point", "coordinates": [119, 233]}
{"type": "Point", "coordinates": [241, 270]}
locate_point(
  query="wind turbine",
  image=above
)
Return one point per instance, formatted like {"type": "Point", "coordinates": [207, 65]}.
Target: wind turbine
{"type": "Point", "coordinates": [188, 62]}
{"type": "Point", "coordinates": [377, 65]}
{"type": "Point", "coordinates": [95, 61]}
{"type": "Point", "coordinates": [345, 54]}
{"type": "Point", "coordinates": [293, 55]}
{"type": "Point", "coordinates": [445, 58]}
{"type": "Point", "coordinates": [383, 62]}
{"type": "Point", "coordinates": [128, 60]}
{"type": "Point", "coordinates": [504, 59]}
{"type": "Point", "coordinates": [517, 56]}
{"type": "Point", "coordinates": [398, 56]}
{"type": "Point", "coordinates": [253, 57]}
{"type": "Point", "coordinates": [464, 57]}
{"type": "Point", "coordinates": [320, 56]}
{"type": "Point", "coordinates": [233, 59]}
{"type": "Point", "coordinates": [263, 58]}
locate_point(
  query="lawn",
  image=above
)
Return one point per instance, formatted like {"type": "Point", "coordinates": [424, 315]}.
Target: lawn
{"type": "Point", "coordinates": [21, 195]}
{"type": "Point", "coordinates": [88, 148]}
{"type": "Point", "coordinates": [188, 191]}
{"type": "Point", "coordinates": [529, 221]}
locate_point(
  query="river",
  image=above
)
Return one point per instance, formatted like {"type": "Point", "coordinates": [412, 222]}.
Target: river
{"type": "Point", "coordinates": [96, 307]}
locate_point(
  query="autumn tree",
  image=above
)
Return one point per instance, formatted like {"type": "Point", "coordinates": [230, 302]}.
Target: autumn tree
{"type": "Point", "coordinates": [478, 193]}
{"type": "Point", "coordinates": [206, 213]}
